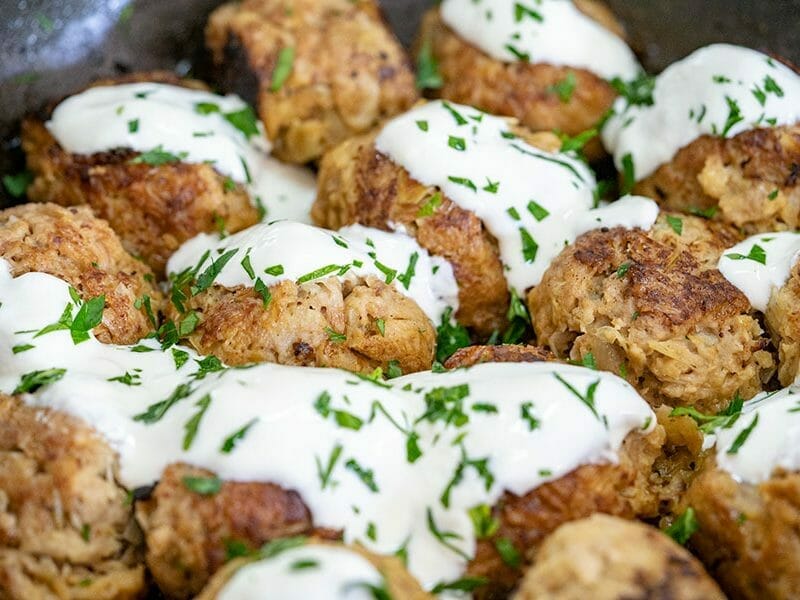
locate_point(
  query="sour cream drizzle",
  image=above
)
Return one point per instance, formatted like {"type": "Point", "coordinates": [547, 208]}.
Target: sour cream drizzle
{"type": "Point", "coordinates": [761, 265]}
{"type": "Point", "coordinates": [381, 461]}
{"type": "Point", "coordinates": [541, 31]}
{"type": "Point", "coordinates": [720, 90]}
{"type": "Point", "coordinates": [532, 201]}
{"type": "Point", "coordinates": [191, 125]}
{"type": "Point", "coordinates": [294, 251]}
{"type": "Point", "coordinates": [313, 571]}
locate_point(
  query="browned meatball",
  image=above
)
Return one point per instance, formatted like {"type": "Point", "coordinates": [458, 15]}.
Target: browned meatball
{"type": "Point", "coordinates": [782, 319]}
{"type": "Point", "coordinates": [318, 71]}
{"type": "Point", "coordinates": [606, 558]}
{"type": "Point", "coordinates": [72, 244]}
{"type": "Point", "coordinates": [358, 184]}
{"type": "Point", "coordinates": [526, 91]}
{"type": "Point", "coordinates": [153, 208]}
{"type": "Point", "coordinates": [475, 355]}
{"type": "Point", "coordinates": [648, 305]}
{"type": "Point", "coordinates": [751, 180]}
{"type": "Point", "coordinates": [66, 527]}
{"type": "Point", "coordinates": [326, 323]}
{"type": "Point", "coordinates": [748, 534]}
{"type": "Point", "coordinates": [399, 582]}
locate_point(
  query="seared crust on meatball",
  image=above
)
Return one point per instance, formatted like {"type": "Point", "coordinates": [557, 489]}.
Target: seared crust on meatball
{"type": "Point", "coordinates": [188, 534]}
{"type": "Point", "coordinates": [358, 184]}
{"type": "Point", "coordinates": [526, 91]}
{"type": "Point", "coordinates": [751, 180]}
{"type": "Point", "coordinates": [748, 535]}
{"type": "Point", "coordinates": [70, 243]}
{"type": "Point", "coordinates": [782, 319]}
{"type": "Point", "coordinates": [475, 355]}
{"type": "Point", "coordinates": [678, 331]}
{"type": "Point", "coordinates": [325, 323]}
{"type": "Point", "coordinates": [606, 558]}
{"type": "Point", "coordinates": [66, 528]}
{"type": "Point", "coordinates": [348, 71]}
{"type": "Point", "coordinates": [400, 584]}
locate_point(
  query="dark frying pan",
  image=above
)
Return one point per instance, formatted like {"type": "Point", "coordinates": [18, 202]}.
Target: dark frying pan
{"type": "Point", "coordinates": [51, 48]}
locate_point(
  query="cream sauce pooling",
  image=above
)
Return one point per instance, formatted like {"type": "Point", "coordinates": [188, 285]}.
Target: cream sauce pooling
{"type": "Point", "coordinates": [761, 265]}
{"type": "Point", "coordinates": [533, 202]}
{"type": "Point", "coordinates": [770, 429]}
{"type": "Point", "coordinates": [364, 455]}
{"type": "Point", "coordinates": [541, 31]}
{"type": "Point", "coordinates": [319, 572]}
{"type": "Point", "coordinates": [145, 116]}
{"type": "Point", "coordinates": [302, 250]}
{"type": "Point", "coordinates": [719, 90]}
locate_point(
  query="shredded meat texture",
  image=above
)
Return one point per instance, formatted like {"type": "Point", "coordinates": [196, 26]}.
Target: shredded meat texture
{"type": "Point", "coordinates": [66, 528]}
{"type": "Point", "coordinates": [606, 558]}
{"type": "Point", "coordinates": [542, 96]}
{"type": "Point", "coordinates": [348, 71]}
{"type": "Point", "coordinates": [73, 245]}
{"type": "Point", "coordinates": [645, 307]}
{"type": "Point", "coordinates": [354, 325]}
{"type": "Point", "coordinates": [507, 353]}
{"type": "Point", "coordinates": [749, 535]}
{"type": "Point", "coordinates": [189, 536]}
{"type": "Point", "coordinates": [782, 320]}
{"type": "Point", "coordinates": [400, 584]}
{"type": "Point", "coordinates": [153, 208]}
{"type": "Point", "coordinates": [358, 184]}
{"type": "Point", "coordinates": [751, 180]}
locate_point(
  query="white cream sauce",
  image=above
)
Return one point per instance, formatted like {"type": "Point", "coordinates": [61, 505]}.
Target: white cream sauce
{"type": "Point", "coordinates": [312, 571]}
{"type": "Point", "coordinates": [294, 251]}
{"type": "Point", "coordinates": [765, 437]}
{"type": "Point", "coordinates": [720, 90]}
{"type": "Point", "coordinates": [541, 31]}
{"type": "Point", "coordinates": [761, 265]}
{"type": "Point", "coordinates": [381, 461]}
{"type": "Point", "coordinates": [533, 202]}
{"type": "Point", "coordinates": [191, 125]}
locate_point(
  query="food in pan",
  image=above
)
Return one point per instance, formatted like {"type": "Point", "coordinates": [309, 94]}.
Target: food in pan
{"type": "Point", "coordinates": [357, 299]}
{"type": "Point", "coordinates": [517, 59]}
{"type": "Point", "coordinates": [161, 163]}
{"type": "Point", "coordinates": [495, 201]}
{"type": "Point", "coordinates": [317, 71]}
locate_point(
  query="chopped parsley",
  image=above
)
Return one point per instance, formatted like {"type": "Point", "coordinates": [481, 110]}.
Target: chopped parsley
{"type": "Point", "coordinates": [742, 437]}
{"type": "Point", "coordinates": [457, 143]}
{"type": "Point", "coordinates": [508, 552]}
{"type": "Point", "coordinates": [16, 185]}
{"type": "Point", "coordinates": [484, 524]}
{"type": "Point", "coordinates": [204, 486]}
{"type": "Point", "coordinates": [587, 398]}
{"type": "Point", "coordinates": [628, 174]}
{"type": "Point", "coordinates": [133, 125]}
{"type": "Point", "coordinates": [207, 277]}
{"type": "Point", "coordinates": [283, 68]}
{"type": "Point", "coordinates": [564, 88]}
{"type": "Point", "coordinates": [676, 223]}
{"type": "Point", "coordinates": [237, 436]}
{"type": "Point", "coordinates": [428, 75]}
{"type": "Point", "coordinates": [192, 425]}
{"type": "Point", "coordinates": [638, 91]}
{"type": "Point", "coordinates": [467, 183]}
{"type": "Point", "coordinates": [30, 382]}
{"type": "Point", "coordinates": [156, 411]}
{"type": "Point", "coordinates": [157, 157]}
{"type": "Point", "coordinates": [367, 476]}
{"type": "Point", "coordinates": [244, 120]}
{"type": "Point", "coordinates": [526, 413]}
{"type": "Point", "coordinates": [325, 473]}
{"type": "Point", "coordinates": [19, 348]}
{"type": "Point", "coordinates": [756, 254]}
{"type": "Point", "coordinates": [334, 336]}
{"type": "Point", "coordinates": [450, 336]}
{"type": "Point", "coordinates": [684, 527]}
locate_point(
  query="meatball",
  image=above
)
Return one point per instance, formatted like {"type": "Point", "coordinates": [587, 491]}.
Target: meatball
{"type": "Point", "coordinates": [526, 91]}
{"type": "Point", "coordinates": [72, 244]}
{"type": "Point", "coordinates": [153, 208]}
{"type": "Point", "coordinates": [66, 526]}
{"type": "Point", "coordinates": [399, 583]}
{"type": "Point", "coordinates": [782, 319]}
{"type": "Point", "coordinates": [474, 355]}
{"type": "Point", "coordinates": [318, 71]}
{"type": "Point", "coordinates": [751, 180]}
{"type": "Point", "coordinates": [324, 323]}
{"type": "Point", "coordinates": [608, 558]}
{"type": "Point", "coordinates": [649, 306]}
{"type": "Point", "coordinates": [358, 184]}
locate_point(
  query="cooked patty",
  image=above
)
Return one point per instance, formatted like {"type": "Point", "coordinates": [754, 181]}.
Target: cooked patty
{"type": "Point", "coordinates": [73, 245]}
{"type": "Point", "coordinates": [475, 355]}
{"type": "Point", "coordinates": [606, 558]}
{"type": "Point", "coordinates": [343, 71]}
{"type": "Point", "coordinates": [782, 320]}
{"type": "Point", "coordinates": [647, 305]}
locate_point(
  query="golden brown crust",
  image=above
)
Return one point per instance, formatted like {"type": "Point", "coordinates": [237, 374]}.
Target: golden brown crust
{"type": "Point", "coordinates": [606, 558]}
{"type": "Point", "coordinates": [782, 319]}
{"type": "Point", "coordinates": [186, 533]}
{"type": "Point", "coordinates": [738, 176]}
{"type": "Point", "coordinates": [517, 89]}
{"type": "Point", "coordinates": [678, 330]}
{"type": "Point", "coordinates": [302, 324]}
{"type": "Point", "coordinates": [154, 209]}
{"type": "Point", "coordinates": [400, 584]}
{"type": "Point", "coordinates": [66, 528]}
{"type": "Point", "coordinates": [348, 72]}
{"type": "Point", "coordinates": [475, 355]}
{"type": "Point", "coordinates": [748, 534]}
{"type": "Point", "coordinates": [70, 243]}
